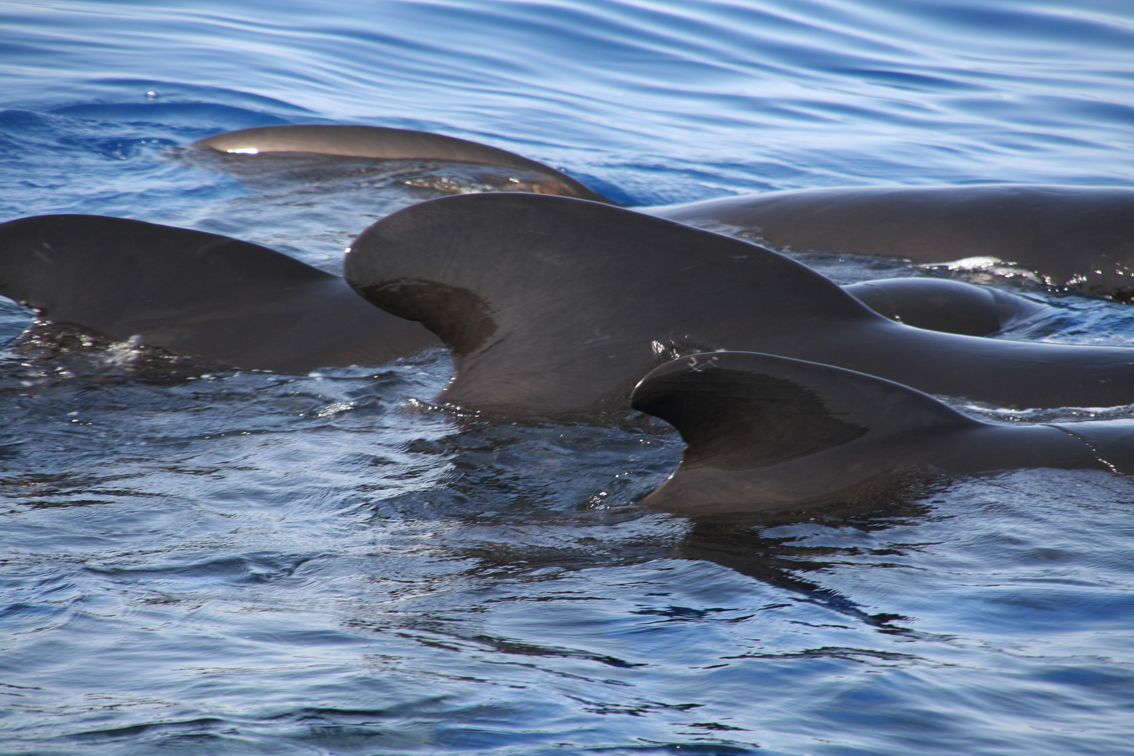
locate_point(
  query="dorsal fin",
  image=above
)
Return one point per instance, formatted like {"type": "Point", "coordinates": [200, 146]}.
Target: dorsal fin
{"type": "Point", "coordinates": [237, 302]}
{"type": "Point", "coordinates": [559, 306]}
{"type": "Point", "coordinates": [741, 410]}
{"type": "Point", "coordinates": [385, 144]}
{"type": "Point", "coordinates": [554, 306]}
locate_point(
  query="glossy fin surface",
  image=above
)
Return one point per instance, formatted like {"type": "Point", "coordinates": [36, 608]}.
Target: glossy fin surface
{"type": "Point", "coordinates": [388, 144]}
{"type": "Point", "coordinates": [240, 303]}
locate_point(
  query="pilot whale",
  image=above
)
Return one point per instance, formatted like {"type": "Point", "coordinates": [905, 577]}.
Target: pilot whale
{"type": "Point", "coordinates": [380, 143]}
{"type": "Point", "coordinates": [932, 303]}
{"type": "Point", "coordinates": [942, 304]}
{"type": "Point", "coordinates": [1069, 236]}
{"type": "Point", "coordinates": [252, 307]}
{"type": "Point", "coordinates": [770, 433]}
{"type": "Point", "coordinates": [229, 300]}
{"type": "Point", "coordinates": [554, 306]}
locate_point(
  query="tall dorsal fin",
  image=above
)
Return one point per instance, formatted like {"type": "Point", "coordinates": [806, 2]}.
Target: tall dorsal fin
{"type": "Point", "coordinates": [241, 303]}
{"type": "Point", "coordinates": [386, 144]}
{"type": "Point", "coordinates": [741, 410]}
{"type": "Point", "coordinates": [558, 306]}
{"type": "Point", "coordinates": [553, 305]}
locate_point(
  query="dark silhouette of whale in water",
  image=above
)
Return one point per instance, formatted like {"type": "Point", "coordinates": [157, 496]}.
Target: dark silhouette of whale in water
{"type": "Point", "coordinates": [553, 306]}
{"type": "Point", "coordinates": [770, 433]}
{"type": "Point", "coordinates": [245, 305]}
{"type": "Point", "coordinates": [378, 143]}
{"type": "Point", "coordinates": [252, 307]}
{"type": "Point", "coordinates": [1069, 236]}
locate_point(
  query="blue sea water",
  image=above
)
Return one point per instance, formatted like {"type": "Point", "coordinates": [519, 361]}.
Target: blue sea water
{"type": "Point", "coordinates": [252, 563]}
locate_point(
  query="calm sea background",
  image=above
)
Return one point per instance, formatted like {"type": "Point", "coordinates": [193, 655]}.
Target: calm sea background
{"type": "Point", "coordinates": [253, 563]}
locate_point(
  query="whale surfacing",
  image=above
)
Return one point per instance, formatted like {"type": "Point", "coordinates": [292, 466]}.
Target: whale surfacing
{"type": "Point", "coordinates": [770, 433]}
{"type": "Point", "coordinates": [1071, 236]}
{"type": "Point", "coordinates": [556, 306]}
{"type": "Point", "coordinates": [942, 304]}
{"type": "Point", "coordinates": [242, 304]}
{"type": "Point", "coordinates": [382, 143]}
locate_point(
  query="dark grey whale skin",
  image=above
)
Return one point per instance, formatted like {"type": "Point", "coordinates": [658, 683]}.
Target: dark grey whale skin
{"type": "Point", "coordinates": [1077, 237]}
{"type": "Point", "coordinates": [388, 144]}
{"type": "Point", "coordinates": [938, 304]}
{"type": "Point", "coordinates": [941, 304]}
{"type": "Point", "coordinates": [1071, 236]}
{"type": "Point", "coordinates": [240, 303]}
{"type": "Point", "coordinates": [770, 433]}
{"type": "Point", "coordinates": [554, 306]}
{"type": "Point", "coordinates": [252, 307]}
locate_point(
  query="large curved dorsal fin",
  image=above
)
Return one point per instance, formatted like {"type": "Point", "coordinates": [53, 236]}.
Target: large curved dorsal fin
{"type": "Point", "coordinates": [741, 410]}
{"type": "Point", "coordinates": [556, 306]}
{"type": "Point", "coordinates": [552, 305]}
{"type": "Point", "coordinates": [385, 144]}
{"type": "Point", "coordinates": [237, 302]}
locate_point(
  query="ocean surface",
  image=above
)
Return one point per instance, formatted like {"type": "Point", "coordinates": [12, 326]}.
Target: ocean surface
{"type": "Point", "coordinates": [257, 563]}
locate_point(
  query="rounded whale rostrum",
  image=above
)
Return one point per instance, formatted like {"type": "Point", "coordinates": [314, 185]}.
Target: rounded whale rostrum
{"type": "Point", "coordinates": [770, 433]}
{"type": "Point", "coordinates": [555, 306]}
{"type": "Point", "coordinates": [942, 304]}
{"type": "Point", "coordinates": [243, 304]}
{"type": "Point", "coordinates": [382, 143]}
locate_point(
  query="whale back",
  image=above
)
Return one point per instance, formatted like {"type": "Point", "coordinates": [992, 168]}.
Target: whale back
{"type": "Point", "coordinates": [1080, 237]}
{"type": "Point", "coordinates": [942, 304]}
{"type": "Point", "coordinates": [552, 305]}
{"type": "Point", "coordinates": [558, 306]}
{"type": "Point", "coordinates": [246, 305]}
{"type": "Point", "coordinates": [381, 143]}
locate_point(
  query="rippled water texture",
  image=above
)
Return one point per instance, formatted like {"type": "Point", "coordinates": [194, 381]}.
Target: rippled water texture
{"type": "Point", "coordinates": [251, 563]}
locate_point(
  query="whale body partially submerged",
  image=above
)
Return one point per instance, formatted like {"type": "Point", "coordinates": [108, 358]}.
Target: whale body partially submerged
{"type": "Point", "coordinates": [1076, 237]}
{"type": "Point", "coordinates": [253, 307]}
{"type": "Point", "coordinates": [769, 433]}
{"type": "Point", "coordinates": [1070, 236]}
{"type": "Point", "coordinates": [554, 306]}
{"type": "Point", "coordinates": [389, 144]}
{"type": "Point", "coordinates": [240, 303]}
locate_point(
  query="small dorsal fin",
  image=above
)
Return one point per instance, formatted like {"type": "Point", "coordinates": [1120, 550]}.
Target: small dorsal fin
{"type": "Point", "coordinates": [246, 305]}
{"type": "Point", "coordinates": [741, 410]}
